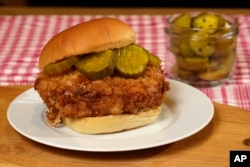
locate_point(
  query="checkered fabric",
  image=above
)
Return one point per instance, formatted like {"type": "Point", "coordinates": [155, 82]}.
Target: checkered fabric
{"type": "Point", "coordinates": [23, 36]}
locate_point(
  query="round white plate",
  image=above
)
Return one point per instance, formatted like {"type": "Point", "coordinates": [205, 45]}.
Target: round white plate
{"type": "Point", "coordinates": [186, 111]}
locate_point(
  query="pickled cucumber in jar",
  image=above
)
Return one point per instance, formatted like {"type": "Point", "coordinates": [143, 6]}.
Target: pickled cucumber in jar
{"type": "Point", "coordinates": [184, 49]}
{"type": "Point", "coordinates": [221, 21]}
{"type": "Point", "coordinates": [206, 21]}
{"type": "Point", "coordinates": [174, 43]}
{"type": "Point", "coordinates": [193, 63]}
{"type": "Point", "coordinates": [206, 50]}
{"type": "Point", "coordinates": [224, 45]}
{"type": "Point", "coordinates": [227, 60]}
{"type": "Point", "coordinates": [185, 74]}
{"type": "Point", "coordinates": [215, 71]}
{"type": "Point", "coordinates": [201, 45]}
{"type": "Point", "coordinates": [184, 20]}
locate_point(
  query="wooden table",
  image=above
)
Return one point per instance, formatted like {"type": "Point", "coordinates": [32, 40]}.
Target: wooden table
{"type": "Point", "coordinates": [82, 10]}
{"type": "Point", "coordinates": [229, 129]}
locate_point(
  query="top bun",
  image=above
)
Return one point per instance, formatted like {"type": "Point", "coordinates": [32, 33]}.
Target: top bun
{"type": "Point", "coordinates": [92, 36]}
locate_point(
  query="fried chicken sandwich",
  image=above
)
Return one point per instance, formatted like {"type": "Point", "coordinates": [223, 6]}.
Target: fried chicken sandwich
{"type": "Point", "coordinates": [95, 79]}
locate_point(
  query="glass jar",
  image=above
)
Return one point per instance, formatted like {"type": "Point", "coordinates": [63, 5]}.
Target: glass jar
{"type": "Point", "coordinates": [204, 47]}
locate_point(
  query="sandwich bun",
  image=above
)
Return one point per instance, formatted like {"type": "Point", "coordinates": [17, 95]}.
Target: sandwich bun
{"type": "Point", "coordinates": [111, 123]}
{"type": "Point", "coordinates": [92, 36]}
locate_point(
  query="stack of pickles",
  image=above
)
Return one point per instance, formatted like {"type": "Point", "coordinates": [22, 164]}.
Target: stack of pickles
{"type": "Point", "coordinates": [204, 45]}
{"type": "Point", "coordinates": [128, 62]}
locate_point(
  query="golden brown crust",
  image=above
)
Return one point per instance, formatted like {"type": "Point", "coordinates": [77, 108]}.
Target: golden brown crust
{"type": "Point", "coordinates": [111, 123]}
{"type": "Point", "coordinates": [73, 95]}
{"type": "Point", "coordinates": [92, 36]}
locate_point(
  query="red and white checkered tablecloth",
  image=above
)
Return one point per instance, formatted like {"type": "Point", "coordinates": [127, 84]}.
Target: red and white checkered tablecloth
{"type": "Point", "coordinates": [23, 36]}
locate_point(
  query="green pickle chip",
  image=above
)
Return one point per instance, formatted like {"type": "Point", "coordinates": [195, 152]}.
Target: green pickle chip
{"type": "Point", "coordinates": [154, 60]}
{"type": "Point", "coordinates": [193, 63]}
{"type": "Point", "coordinates": [131, 61]}
{"type": "Point", "coordinates": [97, 65]}
{"type": "Point", "coordinates": [60, 66]}
{"type": "Point", "coordinates": [184, 20]}
{"type": "Point", "coordinates": [214, 72]}
{"type": "Point", "coordinates": [206, 21]}
{"type": "Point", "coordinates": [201, 45]}
{"type": "Point", "coordinates": [221, 21]}
{"type": "Point", "coordinates": [185, 49]}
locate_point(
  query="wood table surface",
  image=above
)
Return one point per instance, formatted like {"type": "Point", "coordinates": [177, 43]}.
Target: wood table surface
{"type": "Point", "coordinates": [14, 10]}
{"type": "Point", "coordinates": [228, 130]}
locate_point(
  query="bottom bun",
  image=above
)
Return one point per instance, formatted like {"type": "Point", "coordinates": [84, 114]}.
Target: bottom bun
{"type": "Point", "coordinates": [111, 123]}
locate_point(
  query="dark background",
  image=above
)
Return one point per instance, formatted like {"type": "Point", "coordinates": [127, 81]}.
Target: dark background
{"type": "Point", "coordinates": [143, 3]}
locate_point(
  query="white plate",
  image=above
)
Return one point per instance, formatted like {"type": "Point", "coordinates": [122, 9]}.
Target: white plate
{"type": "Point", "coordinates": [185, 112]}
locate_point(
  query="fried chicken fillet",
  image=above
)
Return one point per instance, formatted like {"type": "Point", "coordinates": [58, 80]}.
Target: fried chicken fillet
{"type": "Point", "coordinates": [74, 96]}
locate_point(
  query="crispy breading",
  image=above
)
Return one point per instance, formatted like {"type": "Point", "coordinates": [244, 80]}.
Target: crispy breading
{"type": "Point", "coordinates": [73, 95]}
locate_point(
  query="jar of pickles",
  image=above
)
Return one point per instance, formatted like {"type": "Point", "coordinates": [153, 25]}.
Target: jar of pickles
{"type": "Point", "coordinates": [204, 47]}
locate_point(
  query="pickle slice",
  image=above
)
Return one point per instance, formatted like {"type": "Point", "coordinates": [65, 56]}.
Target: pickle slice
{"type": "Point", "coordinates": [221, 21]}
{"type": "Point", "coordinates": [205, 21]}
{"type": "Point", "coordinates": [97, 65]}
{"type": "Point", "coordinates": [193, 63]}
{"type": "Point", "coordinates": [201, 45]}
{"type": "Point", "coordinates": [185, 50]}
{"type": "Point", "coordinates": [186, 75]}
{"type": "Point", "coordinates": [224, 45]}
{"type": "Point", "coordinates": [184, 20]}
{"type": "Point", "coordinates": [131, 61]}
{"type": "Point", "coordinates": [153, 60]}
{"type": "Point", "coordinates": [214, 72]}
{"type": "Point", "coordinates": [63, 65]}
